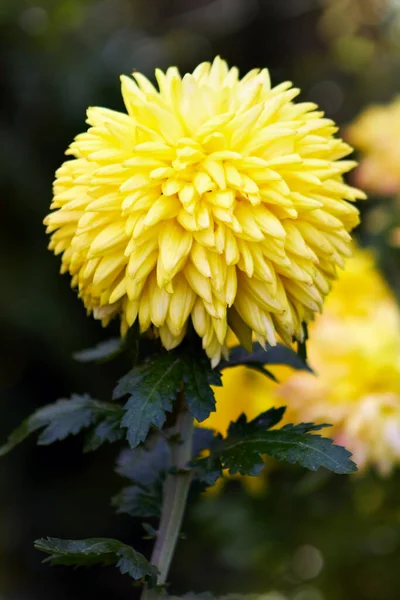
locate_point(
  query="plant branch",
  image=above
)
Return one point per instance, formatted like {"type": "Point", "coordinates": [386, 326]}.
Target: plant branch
{"type": "Point", "coordinates": [176, 488]}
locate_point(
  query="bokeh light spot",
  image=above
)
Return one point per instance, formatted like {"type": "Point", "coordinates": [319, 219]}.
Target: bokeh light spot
{"type": "Point", "coordinates": [309, 593]}
{"type": "Point", "coordinates": [34, 20]}
{"type": "Point", "coordinates": [307, 562]}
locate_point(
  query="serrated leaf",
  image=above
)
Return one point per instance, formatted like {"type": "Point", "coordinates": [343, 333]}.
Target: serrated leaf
{"type": "Point", "coordinates": [102, 352]}
{"type": "Point", "coordinates": [138, 501]}
{"type": "Point", "coordinates": [209, 469]}
{"type": "Point", "coordinates": [241, 451]}
{"type": "Point", "coordinates": [309, 450]}
{"type": "Point", "coordinates": [202, 439]}
{"type": "Point", "coordinates": [145, 467]}
{"type": "Point", "coordinates": [108, 430]}
{"type": "Point", "coordinates": [258, 358]}
{"type": "Point", "coordinates": [305, 427]}
{"type": "Point", "coordinates": [61, 419]}
{"type": "Point", "coordinates": [151, 387]}
{"type": "Point", "coordinates": [98, 551]}
{"type": "Point", "coordinates": [265, 420]}
{"type": "Point", "coordinates": [198, 377]}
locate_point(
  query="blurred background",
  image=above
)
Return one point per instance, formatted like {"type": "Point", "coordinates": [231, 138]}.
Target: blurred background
{"type": "Point", "coordinates": [297, 536]}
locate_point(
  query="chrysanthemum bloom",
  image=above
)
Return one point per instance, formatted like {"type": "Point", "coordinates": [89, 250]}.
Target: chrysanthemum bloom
{"type": "Point", "coordinates": [357, 388]}
{"type": "Point", "coordinates": [376, 133]}
{"type": "Point", "coordinates": [215, 199]}
{"type": "Point", "coordinates": [354, 348]}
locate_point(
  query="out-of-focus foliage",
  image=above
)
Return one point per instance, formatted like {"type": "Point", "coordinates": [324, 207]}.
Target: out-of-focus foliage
{"type": "Point", "coordinates": [305, 538]}
{"type": "Point", "coordinates": [341, 538]}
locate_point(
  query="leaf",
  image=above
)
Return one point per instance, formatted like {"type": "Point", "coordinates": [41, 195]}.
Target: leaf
{"type": "Point", "coordinates": [102, 352]}
{"type": "Point", "coordinates": [246, 442]}
{"type": "Point", "coordinates": [198, 377]}
{"type": "Point", "coordinates": [202, 439]}
{"type": "Point", "coordinates": [61, 419]}
{"type": "Point", "coordinates": [98, 551]}
{"type": "Point", "coordinates": [146, 468]}
{"type": "Point", "coordinates": [153, 386]}
{"type": "Point", "coordinates": [265, 420]}
{"type": "Point", "coordinates": [209, 469]}
{"type": "Point", "coordinates": [302, 346]}
{"type": "Point", "coordinates": [109, 430]}
{"type": "Point", "coordinates": [258, 358]}
{"type": "Point", "coordinates": [139, 501]}
{"type": "Point", "coordinates": [309, 450]}
{"type": "Point", "coordinates": [143, 465]}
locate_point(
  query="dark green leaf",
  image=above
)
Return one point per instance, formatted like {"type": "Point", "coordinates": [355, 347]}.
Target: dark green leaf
{"type": "Point", "coordinates": [98, 551]}
{"type": "Point", "coordinates": [209, 469]}
{"type": "Point", "coordinates": [61, 419]}
{"type": "Point", "coordinates": [109, 430]}
{"type": "Point", "coordinates": [309, 450]}
{"type": "Point", "coordinates": [302, 346]}
{"type": "Point", "coordinates": [265, 420]}
{"type": "Point", "coordinates": [145, 467]}
{"type": "Point", "coordinates": [151, 387]}
{"type": "Point", "coordinates": [198, 377]}
{"type": "Point", "coordinates": [139, 501]}
{"type": "Point", "coordinates": [241, 451]}
{"type": "Point", "coordinates": [103, 352]}
{"type": "Point", "coordinates": [202, 439]}
{"type": "Point", "coordinates": [305, 427]}
{"type": "Point", "coordinates": [273, 355]}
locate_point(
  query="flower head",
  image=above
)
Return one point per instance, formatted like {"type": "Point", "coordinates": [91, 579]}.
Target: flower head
{"type": "Point", "coordinates": [215, 199]}
{"type": "Point", "coordinates": [376, 133]}
{"type": "Point", "coordinates": [354, 348]}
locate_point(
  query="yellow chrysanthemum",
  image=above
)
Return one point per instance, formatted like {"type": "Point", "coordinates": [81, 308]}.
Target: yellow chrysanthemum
{"type": "Point", "coordinates": [354, 348]}
{"type": "Point", "coordinates": [360, 290]}
{"type": "Point", "coordinates": [215, 198]}
{"type": "Point", "coordinates": [376, 133]}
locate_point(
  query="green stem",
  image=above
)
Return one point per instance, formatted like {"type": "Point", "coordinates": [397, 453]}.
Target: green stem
{"type": "Point", "coordinates": [176, 488]}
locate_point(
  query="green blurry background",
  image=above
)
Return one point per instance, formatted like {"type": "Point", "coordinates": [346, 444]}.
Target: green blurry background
{"type": "Point", "coordinates": [304, 537]}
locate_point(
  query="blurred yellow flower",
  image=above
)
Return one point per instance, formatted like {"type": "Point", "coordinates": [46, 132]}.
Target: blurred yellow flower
{"type": "Point", "coordinates": [354, 348]}
{"type": "Point", "coordinates": [215, 198]}
{"type": "Point", "coordinates": [376, 134]}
